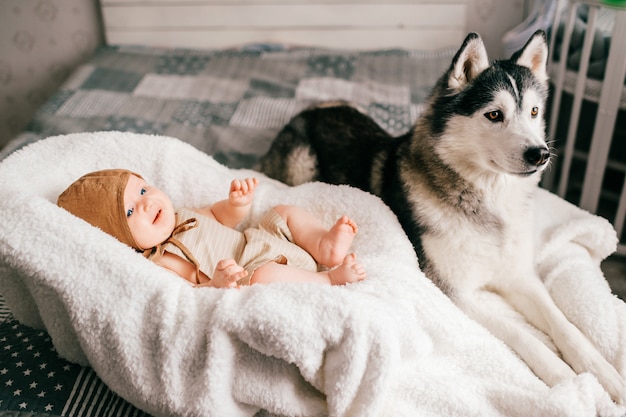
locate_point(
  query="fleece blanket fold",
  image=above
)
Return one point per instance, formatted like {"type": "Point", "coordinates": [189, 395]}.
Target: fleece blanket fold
{"type": "Point", "coordinates": [392, 345]}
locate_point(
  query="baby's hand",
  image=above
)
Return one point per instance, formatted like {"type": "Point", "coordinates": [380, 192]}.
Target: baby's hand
{"type": "Point", "coordinates": [242, 191]}
{"type": "Point", "coordinates": [227, 273]}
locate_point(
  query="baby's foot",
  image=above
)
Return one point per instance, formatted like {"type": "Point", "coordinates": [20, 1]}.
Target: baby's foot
{"type": "Point", "coordinates": [349, 271]}
{"type": "Point", "coordinates": [335, 244]}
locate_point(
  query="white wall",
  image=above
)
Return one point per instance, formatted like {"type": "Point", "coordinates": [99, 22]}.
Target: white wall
{"type": "Point", "coordinates": [41, 41]}
{"type": "Point", "coordinates": [492, 18]}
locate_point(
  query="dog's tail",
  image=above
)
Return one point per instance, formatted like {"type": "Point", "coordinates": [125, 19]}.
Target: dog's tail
{"type": "Point", "coordinates": [291, 159]}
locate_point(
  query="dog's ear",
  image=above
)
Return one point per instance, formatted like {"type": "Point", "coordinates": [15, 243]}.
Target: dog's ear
{"type": "Point", "coordinates": [534, 55]}
{"type": "Point", "coordinates": [469, 61]}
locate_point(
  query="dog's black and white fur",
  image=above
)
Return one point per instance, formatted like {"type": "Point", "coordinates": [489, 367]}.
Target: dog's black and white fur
{"type": "Point", "coordinates": [461, 182]}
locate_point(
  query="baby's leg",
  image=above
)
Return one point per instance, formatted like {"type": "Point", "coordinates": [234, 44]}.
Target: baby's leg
{"type": "Point", "coordinates": [327, 246]}
{"type": "Point", "coordinates": [348, 271]}
{"type": "Point", "coordinates": [334, 245]}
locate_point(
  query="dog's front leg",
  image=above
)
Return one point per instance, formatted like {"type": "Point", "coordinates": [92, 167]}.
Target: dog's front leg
{"type": "Point", "coordinates": [530, 297]}
{"type": "Point", "coordinates": [545, 363]}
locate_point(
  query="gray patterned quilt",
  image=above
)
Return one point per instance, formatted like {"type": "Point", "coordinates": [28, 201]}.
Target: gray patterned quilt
{"type": "Point", "coordinates": [231, 103]}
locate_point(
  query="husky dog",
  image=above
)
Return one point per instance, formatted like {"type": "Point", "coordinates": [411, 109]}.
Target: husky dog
{"type": "Point", "coordinates": [461, 183]}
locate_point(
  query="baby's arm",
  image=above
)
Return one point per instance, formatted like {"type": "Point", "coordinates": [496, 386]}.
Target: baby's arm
{"type": "Point", "coordinates": [232, 211]}
{"type": "Point", "coordinates": [226, 273]}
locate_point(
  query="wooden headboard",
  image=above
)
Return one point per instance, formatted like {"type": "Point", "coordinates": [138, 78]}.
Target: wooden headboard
{"type": "Point", "coordinates": [353, 24]}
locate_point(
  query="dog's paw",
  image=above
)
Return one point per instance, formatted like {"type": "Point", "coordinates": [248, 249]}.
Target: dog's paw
{"type": "Point", "coordinates": [557, 372]}
{"type": "Point", "coordinates": [583, 356]}
{"type": "Point", "coordinates": [612, 382]}
{"type": "Point", "coordinates": [590, 360]}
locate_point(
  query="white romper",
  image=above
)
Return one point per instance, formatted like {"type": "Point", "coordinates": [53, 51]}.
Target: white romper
{"type": "Point", "coordinates": [210, 241]}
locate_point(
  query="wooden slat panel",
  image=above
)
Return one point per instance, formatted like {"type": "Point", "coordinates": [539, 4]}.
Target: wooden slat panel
{"type": "Point", "coordinates": [359, 24]}
{"type": "Point", "coordinates": [424, 39]}
{"type": "Point", "coordinates": [299, 15]}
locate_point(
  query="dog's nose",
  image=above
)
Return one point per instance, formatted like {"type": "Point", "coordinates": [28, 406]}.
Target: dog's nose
{"type": "Point", "coordinates": [537, 156]}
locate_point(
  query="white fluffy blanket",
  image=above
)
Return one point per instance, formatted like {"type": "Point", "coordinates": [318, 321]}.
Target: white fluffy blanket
{"type": "Point", "coordinates": [392, 345]}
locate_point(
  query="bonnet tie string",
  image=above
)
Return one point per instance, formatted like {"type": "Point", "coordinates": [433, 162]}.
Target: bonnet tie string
{"type": "Point", "coordinates": [156, 252]}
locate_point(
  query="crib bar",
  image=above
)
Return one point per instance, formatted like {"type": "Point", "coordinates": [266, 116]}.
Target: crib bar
{"type": "Point", "coordinates": [579, 94]}
{"type": "Point", "coordinates": [560, 6]}
{"type": "Point", "coordinates": [620, 216]}
{"type": "Point", "coordinates": [607, 114]}
{"type": "Point", "coordinates": [548, 179]}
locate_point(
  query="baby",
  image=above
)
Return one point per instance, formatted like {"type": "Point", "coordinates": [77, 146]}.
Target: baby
{"type": "Point", "coordinates": [202, 246]}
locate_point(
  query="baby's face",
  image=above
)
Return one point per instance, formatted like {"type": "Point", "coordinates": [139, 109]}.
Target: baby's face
{"type": "Point", "coordinates": [149, 211]}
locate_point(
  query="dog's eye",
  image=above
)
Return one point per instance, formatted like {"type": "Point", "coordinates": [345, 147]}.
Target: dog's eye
{"type": "Point", "coordinates": [494, 116]}
{"type": "Point", "coordinates": [534, 111]}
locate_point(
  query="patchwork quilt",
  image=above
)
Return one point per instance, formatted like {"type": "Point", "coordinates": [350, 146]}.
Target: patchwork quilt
{"type": "Point", "coordinates": [231, 103]}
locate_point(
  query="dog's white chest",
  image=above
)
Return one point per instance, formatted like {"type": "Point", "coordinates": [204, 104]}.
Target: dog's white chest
{"type": "Point", "coordinates": [470, 251]}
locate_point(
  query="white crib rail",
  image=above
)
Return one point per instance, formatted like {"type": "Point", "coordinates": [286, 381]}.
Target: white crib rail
{"type": "Point", "coordinates": [610, 98]}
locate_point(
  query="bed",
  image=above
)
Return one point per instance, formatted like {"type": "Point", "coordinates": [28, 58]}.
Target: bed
{"type": "Point", "coordinates": [135, 341]}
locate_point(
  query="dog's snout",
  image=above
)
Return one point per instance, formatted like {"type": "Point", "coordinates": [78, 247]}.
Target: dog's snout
{"type": "Point", "coordinates": [537, 156]}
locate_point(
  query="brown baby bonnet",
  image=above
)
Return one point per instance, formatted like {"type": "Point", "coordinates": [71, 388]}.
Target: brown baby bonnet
{"type": "Point", "coordinates": [98, 198]}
